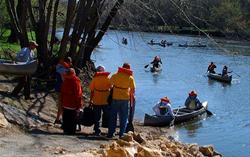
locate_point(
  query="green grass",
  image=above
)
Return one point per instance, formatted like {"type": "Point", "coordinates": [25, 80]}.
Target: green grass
{"type": "Point", "coordinates": [15, 47]}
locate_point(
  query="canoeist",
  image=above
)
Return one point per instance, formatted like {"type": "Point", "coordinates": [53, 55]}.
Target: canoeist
{"type": "Point", "coordinates": [192, 102]}
{"type": "Point", "coordinates": [124, 41]}
{"type": "Point", "coordinates": [123, 92]}
{"type": "Point", "coordinates": [163, 108]}
{"type": "Point", "coordinates": [211, 68]}
{"type": "Point", "coordinates": [100, 90]}
{"type": "Point", "coordinates": [156, 62]}
{"type": "Point", "coordinates": [71, 97]}
{"type": "Point", "coordinates": [152, 41]}
{"type": "Point", "coordinates": [225, 72]}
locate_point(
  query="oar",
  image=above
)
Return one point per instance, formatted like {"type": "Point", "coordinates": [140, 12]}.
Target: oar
{"type": "Point", "coordinates": [130, 126]}
{"type": "Point", "coordinates": [209, 112]}
{"type": "Point", "coordinates": [235, 73]}
{"type": "Point", "coordinates": [146, 66]}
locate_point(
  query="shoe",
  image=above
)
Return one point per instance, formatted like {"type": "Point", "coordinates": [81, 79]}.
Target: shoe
{"type": "Point", "coordinates": [29, 98]}
{"type": "Point", "coordinates": [58, 122]}
{"type": "Point", "coordinates": [97, 134]}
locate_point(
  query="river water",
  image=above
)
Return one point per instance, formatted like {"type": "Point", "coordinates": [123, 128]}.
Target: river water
{"type": "Point", "coordinates": [183, 70]}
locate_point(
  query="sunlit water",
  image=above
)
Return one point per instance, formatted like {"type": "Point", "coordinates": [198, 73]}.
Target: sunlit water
{"type": "Point", "coordinates": [184, 69]}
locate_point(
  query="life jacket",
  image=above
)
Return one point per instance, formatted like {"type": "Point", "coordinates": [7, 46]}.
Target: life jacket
{"type": "Point", "coordinates": [163, 108]}
{"type": "Point", "coordinates": [192, 105]}
{"type": "Point", "coordinates": [100, 86]}
{"type": "Point", "coordinates": [125, 71]}
{"type": "Point", "coordinates": [122, 82]}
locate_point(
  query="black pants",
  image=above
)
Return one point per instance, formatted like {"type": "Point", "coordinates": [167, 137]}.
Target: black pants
{"type": "Point", "coordinates": [98, 111]}
{"type": "Point", "coordinates": [24, 82]}
{"type": "Point", "coordinates": [69, 121]}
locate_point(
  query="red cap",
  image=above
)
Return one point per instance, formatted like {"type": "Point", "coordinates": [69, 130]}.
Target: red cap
{"type": "Point", "coordinates": [165, 99]}
{"type": "Point", "coordinates": [192, 93]}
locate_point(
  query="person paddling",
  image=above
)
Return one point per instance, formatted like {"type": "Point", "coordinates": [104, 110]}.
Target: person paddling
{"type": "Point", "coordinates": [225, 72]}
{"type": "Point", "coordinates": [156, 62]}
{"type": "Point", "coordinates": [211, 68]}
{"type": "Point", "coordinates": [163, 108]}
{"type": "Point", "coordinates": [192, 102]}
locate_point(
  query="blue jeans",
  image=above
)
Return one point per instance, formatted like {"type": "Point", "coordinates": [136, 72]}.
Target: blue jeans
{"type": "Point", "coordinates": [118, 107]}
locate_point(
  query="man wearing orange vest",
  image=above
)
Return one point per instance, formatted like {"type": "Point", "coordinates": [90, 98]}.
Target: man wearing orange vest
{"type": "Point", "coordinates": [123, 92]}
{"type": "Point", "coordinates": [100, 88]}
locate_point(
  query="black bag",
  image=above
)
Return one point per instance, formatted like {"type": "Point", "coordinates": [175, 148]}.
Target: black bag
{"type": "Point", "coordinates": [86, 117]}
{"type": "Point", "coordinates": [110, 96]}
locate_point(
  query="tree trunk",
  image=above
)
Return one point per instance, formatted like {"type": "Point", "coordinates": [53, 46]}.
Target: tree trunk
{"type": "Point", "coordinates": [13, 36]}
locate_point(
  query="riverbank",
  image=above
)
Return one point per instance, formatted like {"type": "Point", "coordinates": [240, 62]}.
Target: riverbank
{"type": "Point", "coordinates": [27, 129]}
{"type": "Point", "coordinates": [187, 31]}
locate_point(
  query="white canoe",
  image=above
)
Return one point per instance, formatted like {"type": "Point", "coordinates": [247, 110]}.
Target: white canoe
{"type": "Point", "coordinates": [19, 68]}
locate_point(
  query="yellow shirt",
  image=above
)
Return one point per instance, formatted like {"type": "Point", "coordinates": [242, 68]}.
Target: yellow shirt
{"type": "Point", "coordinates": [122, 84]}
{"type": "Point", "coordinates": [100, 86]}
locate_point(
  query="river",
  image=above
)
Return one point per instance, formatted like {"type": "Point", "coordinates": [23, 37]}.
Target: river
{"type": "Point", "coordinates": [183, 70]}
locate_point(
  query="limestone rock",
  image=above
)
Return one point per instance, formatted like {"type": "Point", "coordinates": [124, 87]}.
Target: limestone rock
{"type": "Point", "coordinates": [147, 152]}
{"type": "Point", "coordinates": [3, 122]}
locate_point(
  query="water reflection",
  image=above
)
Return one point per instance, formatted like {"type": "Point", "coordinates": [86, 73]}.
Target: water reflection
{"type": "Point", "coordinates": [211, 82]}
{"type": "Point", "coordinates": [192, 128]}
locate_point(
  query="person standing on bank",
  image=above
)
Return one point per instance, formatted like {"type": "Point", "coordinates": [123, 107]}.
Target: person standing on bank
{"type": "Point", "coordinates": [61, 69]}
{"type": "Point", "coordinates": [123, 92]}
{"type": "Point", "coordinates": [25, 55]}
{"type": "Point", "coordinates": [71, 99]}
{"type": "Point", "coordinates": [100, 89]}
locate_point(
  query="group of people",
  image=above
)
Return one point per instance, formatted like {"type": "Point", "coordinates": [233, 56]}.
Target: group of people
{"type": "Point", "coordinates": [163, 107]}
{"type": "Point", "coordinates": [69, 90]}
{"type": "Point", "coordinates": [212, 66]}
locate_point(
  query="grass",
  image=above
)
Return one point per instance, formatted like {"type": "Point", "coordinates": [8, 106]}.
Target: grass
{"type": "Point", "coordinates": [15, 47]}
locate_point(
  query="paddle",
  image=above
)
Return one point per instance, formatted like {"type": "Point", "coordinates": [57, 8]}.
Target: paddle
{"type": "Point", "coordinates": [235, 73]}
{"type": "Point", "coordinates": [146, 66]}
{"type": "Point", "coordinates": [209, 112]}
{"type": "Point", "coordinates": [130, 126]}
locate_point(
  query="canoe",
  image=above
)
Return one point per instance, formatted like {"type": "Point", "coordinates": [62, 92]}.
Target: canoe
{"type": "Point", "coordinates": [180, 115]}
{"type": "Point", "coordinates": [19, 68]}
{"type": "Point", "coordinates": [154, 69]}
{"type": "Point", "coordinates": [160, 44]}
{"type": "Point", "coordinates": [218, 77]}
{"type": "Point", "coordinates": [187, 45]}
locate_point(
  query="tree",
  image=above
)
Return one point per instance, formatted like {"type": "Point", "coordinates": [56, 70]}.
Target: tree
{"type": "Point", "coordinates": [82, 17]}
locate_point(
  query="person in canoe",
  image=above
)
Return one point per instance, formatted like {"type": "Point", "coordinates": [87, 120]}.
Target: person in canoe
{"type": "Point", "coordinates": [211, 68]}
{"type": "Point", "coordinates": [163, 108]}
{"type": "Point", "coordinates": [192, 102]}
{"type": "Point", "coordinates": [225, 72]}
{"type": "Point", "coordinates": [156, 62]}
{"type": "Point", "coordinates": [152, 41]}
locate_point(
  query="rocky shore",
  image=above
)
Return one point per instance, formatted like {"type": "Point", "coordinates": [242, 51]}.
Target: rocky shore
{"type": "Point", "coordinates": [27, 129]}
